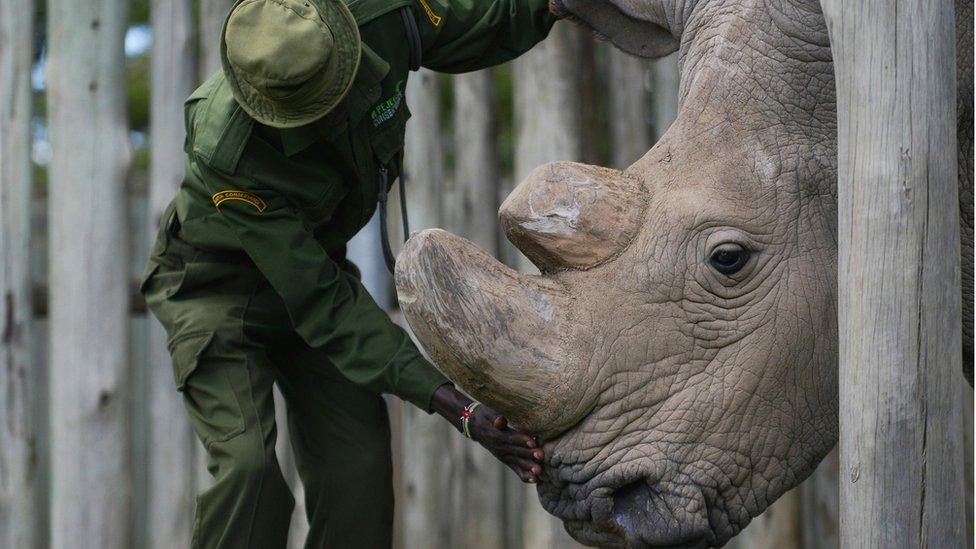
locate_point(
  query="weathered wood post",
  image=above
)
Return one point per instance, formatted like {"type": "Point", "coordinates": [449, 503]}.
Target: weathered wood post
{"type": "Point", "coordinates": [898, 274]}
{"type": "Point", "coordinates": [548, 128]}
{"type": "Point", "coordinates": [630, 131]}
{"type": "Point", "coordinates": [471, 210]}
{"type": "Point", "coordinates": [89, 287]}
{"type": "Point", "coordinates": [170, 441]}
{"type": "Point", "coordinates": [18, 472]}
{"type": "Point", "coordinates": [427, 475]}
{"type": "Point", "coordinates": [210, 20]}
{"type": "Point", "coordinates": [665, 84]}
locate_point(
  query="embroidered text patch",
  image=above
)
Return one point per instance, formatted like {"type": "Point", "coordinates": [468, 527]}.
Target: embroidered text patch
{"type": "Point", "coordinates": [243, 196]}
{"type": "Point", "coordinates": [434, 18]}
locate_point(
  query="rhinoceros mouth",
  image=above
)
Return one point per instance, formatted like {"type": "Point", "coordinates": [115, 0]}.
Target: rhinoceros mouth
{"type": "Point", "coordinates": [635, 512]}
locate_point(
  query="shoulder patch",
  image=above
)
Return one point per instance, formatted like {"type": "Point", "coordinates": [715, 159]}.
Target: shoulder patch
{"type": "Point", "coordinates": [434, 18]}
{"type": "Point", "coordinates": [242, 196]}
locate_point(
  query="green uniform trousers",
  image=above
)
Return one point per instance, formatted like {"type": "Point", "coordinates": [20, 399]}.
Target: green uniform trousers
{"type": "Point", "coordinates": [230, 342]}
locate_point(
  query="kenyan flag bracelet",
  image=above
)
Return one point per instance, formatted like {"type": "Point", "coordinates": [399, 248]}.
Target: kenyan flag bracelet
{"type": "Point", "coordinates": [466, 418]}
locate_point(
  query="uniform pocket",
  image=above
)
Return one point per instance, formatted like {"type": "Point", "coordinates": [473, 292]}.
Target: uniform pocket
{"type": "Point", "coordinates": [387, 140]}
{"type": "Point", "coordinates": [182, 281]}
{"type": "Point", "coordinates": [210, 385]}
{"type": "Point", "coordinates": [151, 269]}
{"type": "Point", "coordinates": [186, 353]}
{"type": "Point", "coordinates": [321, 210]}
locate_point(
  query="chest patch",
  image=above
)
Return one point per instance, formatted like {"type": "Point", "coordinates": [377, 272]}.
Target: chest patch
{"type": "Point", "coordinates": [434, 18]}
{"type": "Point", "coordinates": [242, 196]}
{"type": "Point", "coordinates": [387, 108]}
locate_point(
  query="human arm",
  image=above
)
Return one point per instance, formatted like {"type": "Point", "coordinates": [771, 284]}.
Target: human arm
{"type": "Point", "coordinates": [467, 35]}
{"type": "Point", "coordinates": [328, 307]}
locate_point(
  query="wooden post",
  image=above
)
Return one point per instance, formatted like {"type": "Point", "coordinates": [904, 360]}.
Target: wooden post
{"type": "Point", "coordinates": [474, 193]}
{"type": "Point", "coordinates": [170, 446]}
{"type": "Point", "coordinates": [967, 437]}
{"type": "Point", "coordinates": [777, 528]}
{"type": "Point", "coordinates": [665, 82]}
{"type": "Point", "coordinates": [17, 437]}
{"type": "Point", "coordinates": [211, 20]}
{"type": "Point", "coordinates": [548, 128]}
{"type": "Point", "coordinates": [898, 274]}
{"type": "Point", "coordinates": [821, 505]}
{"type": "Point", "coordinates": [427, 475]}
{"type": "Point", "coordinates": [471, 211]}
{"type": "Point", "coordinates": [630, 110]}
{"type": "Point", "coordinates": [89, 391]}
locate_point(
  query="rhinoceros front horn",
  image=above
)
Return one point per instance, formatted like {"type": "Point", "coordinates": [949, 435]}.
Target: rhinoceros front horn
{"type": "Point", "coordinates": [493, 331]}
{"type": "Point", "coordinates": [505, 337]}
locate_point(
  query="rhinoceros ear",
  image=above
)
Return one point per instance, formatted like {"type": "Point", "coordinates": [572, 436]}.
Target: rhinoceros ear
{"type": "Point", "coordinates": [573, 216]}
{"type": "Point", "coordinates": [637, 27]}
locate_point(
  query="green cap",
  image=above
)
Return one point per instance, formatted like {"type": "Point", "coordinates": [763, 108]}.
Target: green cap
{"type": "Point", "coordinates": [289, 62]}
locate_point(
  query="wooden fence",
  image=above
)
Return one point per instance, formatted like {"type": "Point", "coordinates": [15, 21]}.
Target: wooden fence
{"type": "Point", "coordinates": [95, 447]}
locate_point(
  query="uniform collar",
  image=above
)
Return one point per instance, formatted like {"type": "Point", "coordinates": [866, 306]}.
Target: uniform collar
{"type": "Point", "coordinates": [364, 94]}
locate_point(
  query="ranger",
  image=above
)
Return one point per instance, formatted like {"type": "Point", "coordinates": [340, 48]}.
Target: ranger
{"type": "Point", "coordinates": [287, 151]}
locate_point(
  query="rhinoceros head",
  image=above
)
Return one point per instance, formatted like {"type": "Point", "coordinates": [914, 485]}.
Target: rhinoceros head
{"type": "Point", "coordinates": [677, 353]}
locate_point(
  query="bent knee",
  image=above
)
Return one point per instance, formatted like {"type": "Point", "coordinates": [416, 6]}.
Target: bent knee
{"type": "Point", "coordinates": [244, 464]}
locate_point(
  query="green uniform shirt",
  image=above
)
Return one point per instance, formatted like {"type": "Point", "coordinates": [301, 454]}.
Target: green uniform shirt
{"type": "Point", "coordinates": [290, 199]}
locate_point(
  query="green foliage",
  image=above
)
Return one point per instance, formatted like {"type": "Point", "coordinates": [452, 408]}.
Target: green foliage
{"type": "Point", "coordinates": [506, 118]}
{"type": "Point", "coordinates": [139, 12]}
{"type": "Point", "coordinates": [140, 160]}
{"type": "Point", "coordinates": [137, 88]}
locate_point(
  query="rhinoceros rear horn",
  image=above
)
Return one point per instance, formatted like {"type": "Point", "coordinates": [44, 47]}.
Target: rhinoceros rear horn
{"type": "Point", "coordinates": [573, 216]}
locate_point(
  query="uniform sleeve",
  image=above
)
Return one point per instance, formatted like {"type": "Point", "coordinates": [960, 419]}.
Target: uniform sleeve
{"type": "Point", "coordinates": [329, 308]}
{"type": "Point", "coordinates": [468, 35]}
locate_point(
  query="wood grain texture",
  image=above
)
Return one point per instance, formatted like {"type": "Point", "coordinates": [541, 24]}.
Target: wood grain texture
{"type": "Point", "coordinates": [170, 440]}
{"type": "Point", "coordinates": [665, 94]}
{"type": "Point", "coordinates": [89, 380]}
{"type": "Point", "coordinates": [901, 457]}
{"type": "Point", "coordinates": [210, 20]}
{"type": "Point", "coordinates": [630, 131]}
{"type": "Point", "coordinates": [964, 137]}
{"type": "Point", "coordinates": [473, 197]}
{"type": "Point", "coordinates": [18, 463]}
{"type": "Point", "coordinates": [428, 471]}
{"type": "Point", "coordinates": [821, 505]}
{"type": "Point", "coordinates": [780, 526]}
{"type": "Point", "coordinates": [805, 517]}
{"type": "Point", "coordinates": [470, 211]}
{"type": "Point", "coordinates": [547, 128]}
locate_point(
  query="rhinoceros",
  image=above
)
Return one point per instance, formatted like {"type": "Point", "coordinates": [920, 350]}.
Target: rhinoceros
{"type": "Point", "coordinates": [678, 352]}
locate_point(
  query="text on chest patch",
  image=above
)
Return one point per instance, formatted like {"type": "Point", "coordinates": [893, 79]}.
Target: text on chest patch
{"type": "Point", "coordinates": [385, 110]}
{"type": "Point", "coordinates": [242, 196]}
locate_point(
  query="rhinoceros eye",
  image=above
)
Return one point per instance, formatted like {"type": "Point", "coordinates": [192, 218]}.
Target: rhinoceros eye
{"type": "Point", "coordinates": [729, 258]}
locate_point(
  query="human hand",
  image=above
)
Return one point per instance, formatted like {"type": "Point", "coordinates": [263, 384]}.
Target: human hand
{"type": "Point", "coordinates": [519, 451]}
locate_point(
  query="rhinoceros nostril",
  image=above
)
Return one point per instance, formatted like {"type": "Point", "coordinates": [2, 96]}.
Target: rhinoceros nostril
{"type": "Point", "coordinates": [647, 517]}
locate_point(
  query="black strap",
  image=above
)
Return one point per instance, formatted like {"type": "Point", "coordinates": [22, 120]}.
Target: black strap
{"type": "Point", "coordinates": [382, 197]}
{"type": "Point", "coordinates": [416, 57]}
{"type": "Point", "coordinates": [403, 210]}
{"type": "Point", "coordinates": [413, 38]}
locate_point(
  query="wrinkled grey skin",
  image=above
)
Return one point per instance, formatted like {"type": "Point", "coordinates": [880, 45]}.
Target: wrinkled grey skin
{"type": "Point", "coordinates": [695, 399]}
{"type": "Point", "coordinates": [715, 396]}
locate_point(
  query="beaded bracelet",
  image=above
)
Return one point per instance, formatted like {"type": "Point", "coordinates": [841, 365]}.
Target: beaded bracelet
{"type": "Point", "coordinates": [466, 418]}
